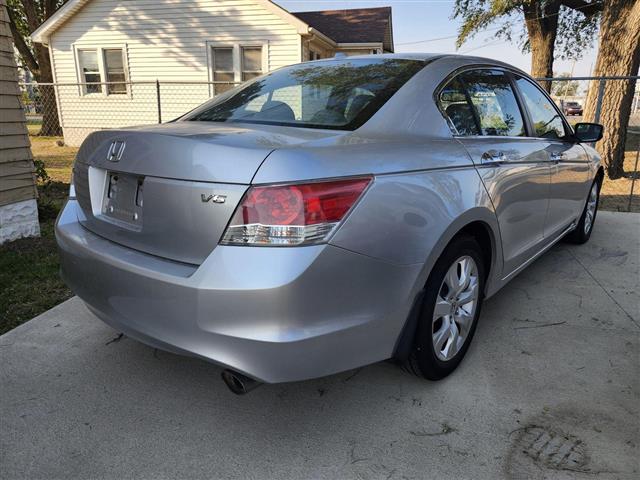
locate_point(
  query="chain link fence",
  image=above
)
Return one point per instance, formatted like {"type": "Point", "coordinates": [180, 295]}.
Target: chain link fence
{"type": "Point", "coordinates": [82, 108]}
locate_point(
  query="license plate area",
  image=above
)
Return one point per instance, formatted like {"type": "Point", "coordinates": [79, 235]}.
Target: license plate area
{"type": "Point", "coordinates": [123, 199]}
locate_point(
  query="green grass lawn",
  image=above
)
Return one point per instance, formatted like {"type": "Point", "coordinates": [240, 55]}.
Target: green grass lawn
{"type": "Point", "coordinates": [29, 279]}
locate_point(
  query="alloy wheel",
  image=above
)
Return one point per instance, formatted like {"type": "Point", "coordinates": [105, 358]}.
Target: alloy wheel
{"type": "Point", "coordinates": [592, 204]}
{"type": "Point", "coordinates": [455, 308]}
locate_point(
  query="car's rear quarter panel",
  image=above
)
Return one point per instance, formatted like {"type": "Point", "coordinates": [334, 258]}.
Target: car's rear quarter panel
{"type": "Point", "coordinates": [425, 190]}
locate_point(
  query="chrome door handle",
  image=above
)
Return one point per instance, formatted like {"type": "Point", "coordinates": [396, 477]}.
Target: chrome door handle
{"type": "Point", "coordinates": [494, 157]}
{"type": "Point", "coordinates": [557, 157]}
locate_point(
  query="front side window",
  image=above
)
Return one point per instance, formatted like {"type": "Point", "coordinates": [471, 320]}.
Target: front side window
{"type": "Point", "coordinates": [89, 71]}
{"type": "Point", "coordinates": [494, 103]}
{"type": "Point", "coordinates": [115, 71]}
{"type": "Point", "coordinates": [337, 94]}
{"type": "Point", "coordinates": [547, 121]}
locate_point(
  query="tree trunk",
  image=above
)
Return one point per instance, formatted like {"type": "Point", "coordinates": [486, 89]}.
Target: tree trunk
{"type": "Point", "coordinates": [618, 54]}
{"type": "Point", "coordinates": [37, 61]}
{"type": "Point", "coordinates": [50, 121]}
{"type": "Point", "coordinates": [541, 28]}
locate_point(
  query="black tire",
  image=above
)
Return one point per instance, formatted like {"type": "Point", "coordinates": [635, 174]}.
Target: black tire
{"type": "Point", "coordinates": [423, 361]}
{"type": "Point", "coordinates": [581, 235]}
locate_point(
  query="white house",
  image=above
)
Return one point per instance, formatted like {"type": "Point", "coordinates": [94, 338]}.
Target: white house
{"type": "Point", "coordinates": [141, 42]}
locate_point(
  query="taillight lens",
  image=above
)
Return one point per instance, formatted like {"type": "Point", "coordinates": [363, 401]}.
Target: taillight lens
{"type": "Point", "coordinates": [292, 214]}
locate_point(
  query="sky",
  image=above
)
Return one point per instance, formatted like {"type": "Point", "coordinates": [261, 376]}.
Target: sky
{"type": "Point", "coordinates": [417, 20]}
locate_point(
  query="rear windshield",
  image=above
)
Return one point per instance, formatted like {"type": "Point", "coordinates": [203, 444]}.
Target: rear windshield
{"type": "Point", "coordinates": [335, 94]}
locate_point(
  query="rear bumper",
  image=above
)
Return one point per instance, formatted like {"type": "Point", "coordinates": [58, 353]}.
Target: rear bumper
{"type": "Point", "coordinates": [275, 314]}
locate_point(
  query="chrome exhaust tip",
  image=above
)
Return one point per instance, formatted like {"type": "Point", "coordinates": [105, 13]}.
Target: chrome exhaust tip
{"type": "Point", "coordinates": [239, 383]}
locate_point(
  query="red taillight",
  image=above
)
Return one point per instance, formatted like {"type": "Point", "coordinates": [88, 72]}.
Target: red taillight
{"type": "Point", "coordinates": [292, 214]}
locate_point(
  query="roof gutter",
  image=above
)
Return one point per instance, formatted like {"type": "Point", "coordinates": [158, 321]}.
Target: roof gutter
{"type": "Point", "coordinates": [358, 45]}
{"type": "Point", "coordinates": [322, 37]}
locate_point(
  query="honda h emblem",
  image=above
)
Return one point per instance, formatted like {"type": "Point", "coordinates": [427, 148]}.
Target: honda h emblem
{"type": "Point", "coordinates": [115, 151]}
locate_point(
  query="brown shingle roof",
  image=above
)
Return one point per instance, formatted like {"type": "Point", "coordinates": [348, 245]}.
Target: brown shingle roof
{"type": "Point", "coordinates": [357, 25]}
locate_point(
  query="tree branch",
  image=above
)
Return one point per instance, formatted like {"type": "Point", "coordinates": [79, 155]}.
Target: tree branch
{"type": "Point", "coordinates": [49, 9]}
{"type": "Point", "coordinates": [23, 48]}
{"type": "Point", "coordinates": [587, 8]}
{"type": "Point", "coordinates": [31, 15]}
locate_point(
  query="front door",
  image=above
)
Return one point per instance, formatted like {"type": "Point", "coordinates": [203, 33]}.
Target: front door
{"type": "Point", "coordinates": [570, 169]}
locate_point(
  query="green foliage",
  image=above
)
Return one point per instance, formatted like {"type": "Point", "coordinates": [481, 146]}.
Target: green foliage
{"type": "Point", "coordinates": [42, 10]}
{"type": "Point", "coordinates": [575, 31]}
{"type": "Point", "coordinates": [25, 16]}
{"type": "Point", "coordinates": [40, 171]}
{"type": "Point", "coordinates": [29, 279]}
{"type": "Point", "coordinates": [477, 15]}
{"type": "Point", "coordinates": [568, 88]}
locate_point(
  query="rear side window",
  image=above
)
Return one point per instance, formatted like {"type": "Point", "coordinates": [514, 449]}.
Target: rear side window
{"type": "Point", "coordinates": [547, 122]}
{"type": "Point", "coordinates": [456, 107]}
{"type": "Point", "coordinates": [495, 103]}
{"type": "Point", "coordinates": [482, 102]}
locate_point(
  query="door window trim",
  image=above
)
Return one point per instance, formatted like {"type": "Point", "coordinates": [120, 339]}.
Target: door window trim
{"type": "Point", "coordinates": [466, 68]}
{"type": "Point", "coordinates": [524, 111]}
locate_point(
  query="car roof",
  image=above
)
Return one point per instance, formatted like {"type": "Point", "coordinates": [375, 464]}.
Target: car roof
{"type": "Point", "coordinates": [466, 59]}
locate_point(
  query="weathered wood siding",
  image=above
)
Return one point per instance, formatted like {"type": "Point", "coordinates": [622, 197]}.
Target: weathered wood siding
{"type": "Point", "coordinates": [165, 40]}
{"type": "Point", "coordinates": [17, 181]}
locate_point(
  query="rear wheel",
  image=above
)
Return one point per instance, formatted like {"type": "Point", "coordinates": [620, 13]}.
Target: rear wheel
{"type": "Point", "coordinates": [582, 232]}
{"type": "Point", "coordinates": [450, 310]}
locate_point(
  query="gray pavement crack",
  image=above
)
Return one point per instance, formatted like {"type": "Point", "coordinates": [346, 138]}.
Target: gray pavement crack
{"type": "Point", "coordinates": [117, 338]}
{"type": "Point", "coordinates": [541, 325]}
{"type": "Point", "coordinates": [446, 429]}
{"type": "Point", "coordinates": [603, 289]}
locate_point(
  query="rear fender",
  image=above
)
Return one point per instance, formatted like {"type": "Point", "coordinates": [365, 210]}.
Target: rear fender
{"type": "Point", "coordinates": [410, 218]}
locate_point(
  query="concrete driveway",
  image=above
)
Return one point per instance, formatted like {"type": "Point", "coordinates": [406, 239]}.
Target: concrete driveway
{"type": "Point", "coordinates": [549, 389]}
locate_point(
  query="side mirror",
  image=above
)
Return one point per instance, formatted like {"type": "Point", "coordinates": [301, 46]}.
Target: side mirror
{"type": "Point", "coordinates": [588, 132]}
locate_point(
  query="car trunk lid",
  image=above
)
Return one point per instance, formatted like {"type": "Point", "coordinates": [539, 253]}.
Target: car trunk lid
{"type": "Point", "coordinates": [170, 190]}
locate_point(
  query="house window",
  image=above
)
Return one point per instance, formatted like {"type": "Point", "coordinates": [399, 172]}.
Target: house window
{"type": "Point", "coordinates": [114, 70]}
{"type": "Point", "coordinates": [89, 71]}
{"type": "Point", "coordinates": [251, 62]}
{"type": "Point", "coordinates": [97, 66]}
{"type": "Point", "coordinates": [223, 69]}
{"type": "Point", "coordinates": [233, 64]}
{"type": "Point", "coordinates": [313, 55]}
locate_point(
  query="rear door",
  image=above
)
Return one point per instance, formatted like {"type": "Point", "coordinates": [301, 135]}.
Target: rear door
{"type": "Point", "coordinates": [570, 169]}
{"type": "Point", "coordinates": [484, 112]}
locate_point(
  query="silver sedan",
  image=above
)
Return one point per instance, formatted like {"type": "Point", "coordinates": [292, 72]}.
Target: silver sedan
{"type": "Point", "coordinates": [328, 215]}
